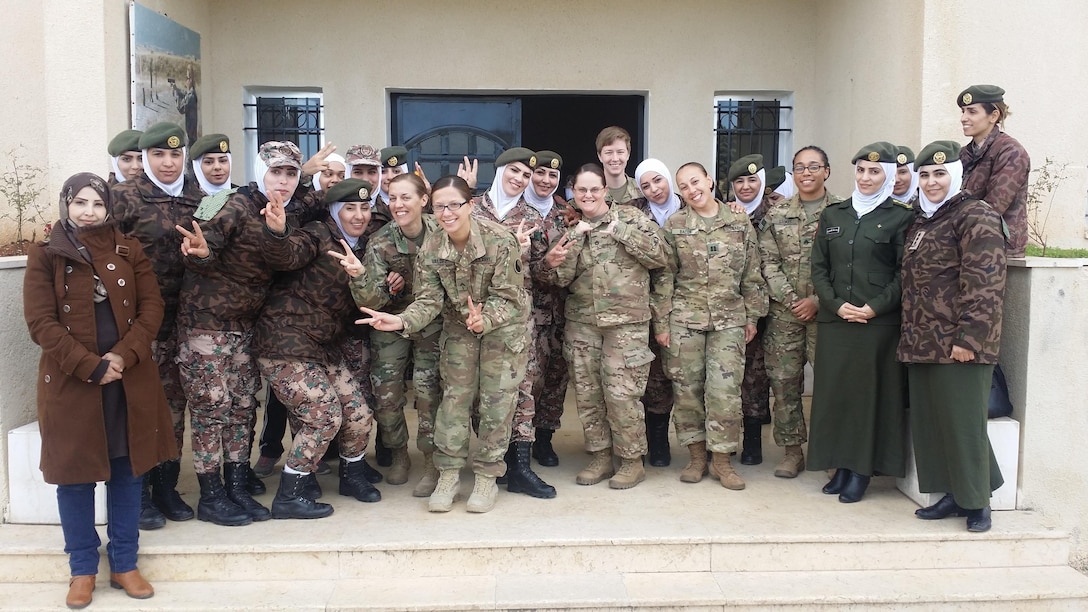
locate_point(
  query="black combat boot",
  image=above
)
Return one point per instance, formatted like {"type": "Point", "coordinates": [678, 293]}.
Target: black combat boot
{"type": "Point", "coordinates": [353, 482]}
{"type": "Point", "coordinates": [372, 475]}
{"type": "Point", "coordinates": [150, 516]}
{"type": "Point", "coordinates": [290, 503]}
{"type": "Point", "coordinates": [657, 439]}
{"type": "Point", "coordinates": [542, 448]}
{"type": "Point", "coordinates": [235, 475]}
{"type": "Point", "coordinates": [254, 485]}
{"type": "Point", "coordinates": [508, 459]}
{"type": "Point", "coordinates": [311, 488]}
{"type": "Point", "coordinates": [215, 506]}
{"type": "Point", "coordinates": [164, 491]}
{"type": "Point", "coordinates": [752, 449]}
{"type": "Point", "coordinates": [383, 454]}
{"type": "Point", "coordinates": [520, 477]}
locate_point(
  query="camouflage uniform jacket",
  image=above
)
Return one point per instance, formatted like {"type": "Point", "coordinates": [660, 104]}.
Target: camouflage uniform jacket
{"type": "Point", "coordinates": [953, 283]}
{"type": "Point", "coordinates": [389, 250]}
{"type": "Point", "coordinates": [996, 172]}
{"type": "Point", "coordinates": [660, 295]}
{"type": "Point", "coordinates": [488, 269]}
{"type": "Point", "coordinates": [548, 299]}
{"type": "Point", "coordinates": [608, 274]}
{"type": "Point", "coordinates": [714, 281]}
{"type": "Point", "coordinates": [786, 234]}
{"type": "Point", "coordinates": [631, 194]}
{"type": "Point", "coordinates": [380, 215]}
{"type": "Point", "coordinates": [309, 306]}
{"type": "Point", "coordinates": [521, 212]}
{"type": "Point", "coordinates": [147, 213]}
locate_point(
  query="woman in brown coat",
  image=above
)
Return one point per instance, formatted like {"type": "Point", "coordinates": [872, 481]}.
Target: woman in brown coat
{"type": "Point", "coordinates": [92, 303]}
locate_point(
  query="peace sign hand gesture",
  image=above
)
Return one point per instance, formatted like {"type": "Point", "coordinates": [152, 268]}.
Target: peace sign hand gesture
{"type": "Point", "coordinates": [558, 254]}
{"type": "Point", "coordinates": [525, 236]}
{"type": "Point", "coordinates": [351, 263]}
{"type": "Point", "coordinates": [467, 170]}
{"type": "Point", "coordinates": [381, 321]}
{"type": "Point", "coordinates": [475, 320]}
{"type": "Point", "coordinates": [193, 243]}
{"type": "Point", "coordinates": [317, 164]}
{"type": "Point", "coordinates": [275, 217]}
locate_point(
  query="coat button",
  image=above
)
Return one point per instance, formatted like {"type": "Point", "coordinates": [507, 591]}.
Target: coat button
{"type": "Point", "coordinates": [67, 308]}
{"type": "Point", "coordinates": [67, 269]}
{"type": "Point", "coordinates": [120, 282]}
{"type": "Point", "coordinates": [125, 302]}
{"type": "Point", "coordinates": [111, 267]}
{"type": "Point", "coordinates": [851, 242]}
{"type": "Point", "coordinates": [47, 379]}
{"type": "Point", "coordinates": [130, 321]}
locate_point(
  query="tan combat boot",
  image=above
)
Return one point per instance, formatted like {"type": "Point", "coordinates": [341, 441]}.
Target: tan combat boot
{"type": "Point", "coordinates": [445, 492]}
{"type": "Point", "coordinates": [792, 462]}
{"type": "Point", "coordinates": [398, 472]}
{"type": "Point", "coordinates": [427, 483]}
{"type": "Point", "coordinates": [484, 493]}
{"type": "Point", "coordinates": [599, 468]}
{"type": "Point", "coordinates": [696, 467]}
{"type": "Point", "coordinates": [722, 469]}
{"type": "Point", "coordinates": [630, 474]}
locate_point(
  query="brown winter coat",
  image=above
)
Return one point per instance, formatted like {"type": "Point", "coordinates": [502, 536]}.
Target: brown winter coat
{"type": "Point", "coordinates": [996, 172]}
{"type": "Point", "coordinates": [59, 311]}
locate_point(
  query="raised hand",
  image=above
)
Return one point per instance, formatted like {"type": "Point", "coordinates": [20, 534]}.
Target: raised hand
{"type": "Point", "coordinates": [351, 263]}
{"type": "Point", "coordinates": [468, 171]}
{"type": "Point", "coordinates": [558, 253]}
{"type": "Point", "coordinates": [423, 177]}
{"type": "Point", "coordinates": [275, 217]}
{"type": "Point", "coordinates": [582, 228]}
{"type": "Point", "coordinates": [381, 321]}
{"type": "Point", "coordinates": [475, 320]}
{"type": "Point", "coordinates": [193, 243]}
{"type": "Point", "coordinates": [525, 236]}
{"type": "Point", "coordinates": [319, 162]}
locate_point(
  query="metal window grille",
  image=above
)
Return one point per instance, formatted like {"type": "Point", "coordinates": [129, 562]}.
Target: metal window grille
{"type": "Point", "coordinates": [297, 120]}
{"type": "Point", "coordinates": [745, 127]}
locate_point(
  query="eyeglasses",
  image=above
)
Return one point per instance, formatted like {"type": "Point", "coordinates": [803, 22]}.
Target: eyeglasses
{"type": "Point", "coordinates": [592, 191]}
{"type": "Point", "coordinates": [452, 207]}
{"type": "Point", "coordinates": [812, 168]}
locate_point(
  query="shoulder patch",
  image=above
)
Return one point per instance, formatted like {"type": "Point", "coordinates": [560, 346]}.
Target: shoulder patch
{"type": "Point", "coordinates": [763, 224]}
{"type": "Point", "coordinates": [211, 205]}
{"type": "Point", "coordinates": [905, 205]}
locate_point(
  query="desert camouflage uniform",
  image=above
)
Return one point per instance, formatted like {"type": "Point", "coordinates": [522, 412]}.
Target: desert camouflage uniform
{"type": "Point", "coordinates": [608, 308]}
{"type": "Point", "coordinates": [716, 291]}
{"type": "Point", "coordinates": [659, 398]}
{"type": "Point", "coordinates": [523, 430]}
{"type": "Point", "coordinates": [389, 250]}
{"type": "Point", "coordinates": [146, 212]}
{"type": "Point", "coordinates": [487, 366]}
{"type": "Point", "coordinates": [785, 247]}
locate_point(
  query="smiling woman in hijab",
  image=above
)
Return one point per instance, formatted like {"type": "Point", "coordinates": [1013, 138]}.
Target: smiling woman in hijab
{"type": "Point", "coordinates": [211, 163]}
{"type": "Point", "coordinates": [953, 293]}
{"type": "Point", "coordinates": [858, 397]}
{"type": "Point", "coordinates": [92, 304]}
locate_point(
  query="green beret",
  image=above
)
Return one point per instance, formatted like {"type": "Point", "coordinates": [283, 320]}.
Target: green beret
{"type": "Point", "coordinates": [745, 166]}
{"type": "Point", "coordinates": [517, 154]}
{"type": "Point", "coordinates": [981, 93]}
{"type": "Point", "coordinates": [128, 140]}
{"type": "Point", "coordinates": [904, 155]}
{"type": "Point", "coordinates": [350, 190]}
{"type": "Point", "coordinates": [937, 153]}
{"type": "Point", "coordinates": [548, 159]}
{"type": "Point", "coordinates": [393, 157]}
{"type": "Point", "coordinates": [775, 177]}
{"type": "Point", "coordinates": [877, 152]}
{"type": "Point", "coordinates": [209, 143]}
{"type": "Point", "coordinates": [164, 135]}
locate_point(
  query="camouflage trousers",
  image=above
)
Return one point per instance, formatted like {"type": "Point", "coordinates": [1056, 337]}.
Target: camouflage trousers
{"type": "Point", "coordinates": [488, 368]}
{"type": "Point", "coordinates": [392, 353]}
{"type": "Point", "coordinates": [609, 367]}
{"type": "Point", "coordinates": [522, 429]}
{"type": "Point", "coordinates": [322, 401]}
{"type": "Point", "coordinates": [221, 382]}
{"type": "Point", "coordinates": [357, 355]}
{"type": "Point", "coordinates": [788, 343]}
{"type": "Point", "coordinates": [550, 389]}
{"type": "Point", "coordinates": [706, 367]}
{"type": "Point", "coordinates": [658, 398]}
{"type": "Point", "coordinates": [165, 353]}
{"type": "Point", "coordinates": [755, 391]}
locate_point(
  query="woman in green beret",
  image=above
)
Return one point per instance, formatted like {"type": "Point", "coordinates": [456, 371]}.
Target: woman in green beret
{"type": "Point", "coordinates": [858, 397]}
{"type": "Point", "coordinates": [211, 162]}
{"type": "Point", "coordinates": [125, 157]}
{"type": "Point", "coordinates": [906, 177]}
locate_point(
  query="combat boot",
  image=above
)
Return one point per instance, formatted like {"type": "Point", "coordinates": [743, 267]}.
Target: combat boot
{"type": "Point", "coordinates": [311, 488]}
{"type": "Point", "coordinates": [599, 468]}
{"type": "Point", "coordinates": [371, 474]}
{"type": "Point", "coordinates": [382, 455]}
{"type": "Point", "coordinates": [215, 506]}
{"type": "Point", "coordinates": [254, 484]}
{"type": "Point", "coordinates": [150, 516]}
{"type": "Point", "coordinates": [427, 483]}
{"type": "Point", "coordinates": [630, 474]}
{"type": "Point", "coordinates": [445, 492]}
{"type": "Point", "coordinates": [696, 467]}
{"type": "Point", "coordinates": [290, 502]}
{"type": "Point", "coordinates": [792, 462]}
{"type": "Point", "coordinates": [542, 448]}
{"type": "Point", "coordinates": [722, 469]}
{"type": "Point", "coordinates": [484, 494]}
{"type": "Point", "coordinates": [398, 472]}
{"type": "Point", "coordinates": [353, 482]}
{"type": "Point", "coordinates": [752, 450]}
{"type": "Point", "coordinates": [657, 439]}
{"type": "Point", "coordinates": [508, 459]}
{"type": "Point", "coordinates": [520, 477]}
{"type": "Point", "coordinates": [235, 475]}
{"type": "Point", "coordinates": [164, 492]}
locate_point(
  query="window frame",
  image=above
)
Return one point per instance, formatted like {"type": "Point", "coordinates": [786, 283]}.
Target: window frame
{"type": "Point", "coordinates": [251, 126]}
{"type": "Point", "coordinates": [784, 127]}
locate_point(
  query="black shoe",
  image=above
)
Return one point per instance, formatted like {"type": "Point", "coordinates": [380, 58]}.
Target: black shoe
{"type": "Point", "coordinates": [353, 482]}
{"type": "Point", "coordinates": [520, 477]}
{"type": "Point", "coordinates": [235, 475]}
{"type": "Point", "coordinates": [657, 439]}
{"type": "Point", "coordinates": [150, 516]}
{"type": "Point", "coordinates": [373, 476]}
{"type": "Point", "coordinates": [979, 521]}
{"type": "Point", "coordinates": [508, 459]}
{"type": "Point", "coordinates": [384, 455]}
{"type": "Point", "coordinates": [944, 508]}
{"type": "Point", "coordinates": [752, 450]}
{"type": "Point", "coordinates": [542, 448]}
{"type": "Point", "coordinates": [215, 506]}
{"type": "Point", "coordinates": [290, 503]}
{"type": "Point", "coordinates": [854, 489]}
{"type": "Point", "coordinates": [311, 488]}
{"type": "Point", "coordinates": [254, 485]}
{"type": "Point", "coordinates": [164, 491]}
{"type": "Point", "coordinates": [837, 482]}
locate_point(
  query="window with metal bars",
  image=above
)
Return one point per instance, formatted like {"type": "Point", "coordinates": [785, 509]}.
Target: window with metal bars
{"type": "Point", "coordinates": [294, 119]}
{"type": "Point", "coordinates": [747, 126]}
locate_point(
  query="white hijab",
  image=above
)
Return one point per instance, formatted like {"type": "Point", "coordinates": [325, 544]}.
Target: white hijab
{"type": "Point", "coordinates": [543, 205]}
{"type": "Point", "coordinates": [913, 188]}
{"type": "Point", "coordinates": [334, 210]}
{"type": "Point", "coordinates": [661, 212]}
{"type": "Point", "coordinates": [865, 204]}
{"type": "Point", "coordinates": [117, 174]}
{"type": "Point", "coordinates": [787, 188]}
{"type": "Point", "coordinates": [260, 169]}
{"type": "Point", "coordinates": [333, 157]}
{"type": "Point", "coordinates": [172, 189]}
{"type": "Point", "coordinates": [503, 203]}
{"type": "Point", "coordinates": [751, 207]}
{"type": "Point", "coordinates": [955, 170]}
{"type": "Point", "coordinates": [207, 185]}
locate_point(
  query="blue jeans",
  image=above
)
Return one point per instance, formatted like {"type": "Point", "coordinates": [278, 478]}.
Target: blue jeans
{"type": "Point", "coordinates": [81, 542]}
